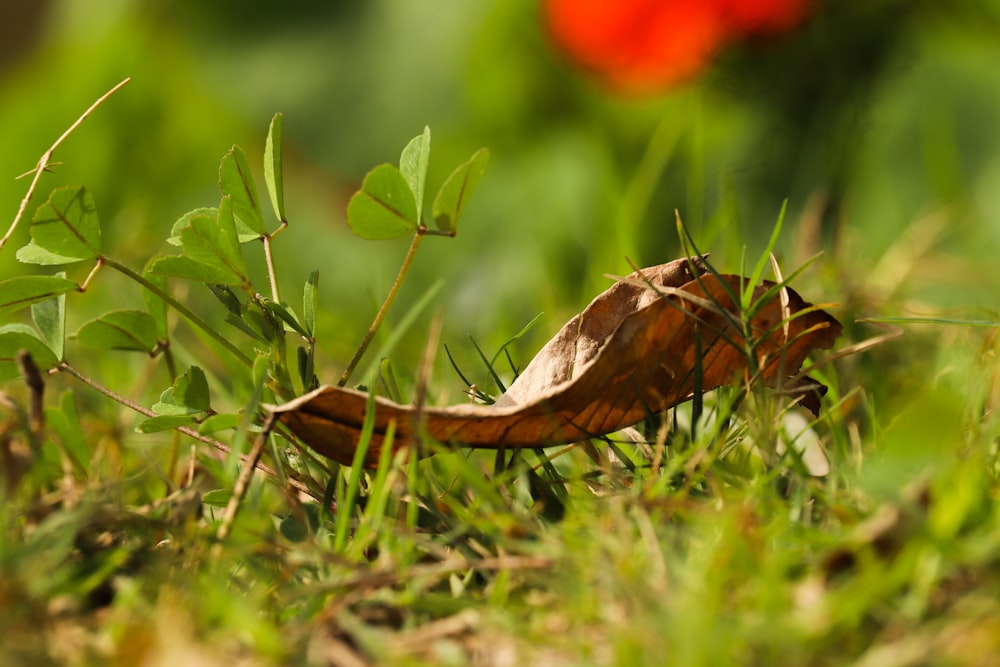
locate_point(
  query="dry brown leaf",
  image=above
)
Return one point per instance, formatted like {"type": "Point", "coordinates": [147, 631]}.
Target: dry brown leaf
{"type": "Point", "coordinates": [634, 351]}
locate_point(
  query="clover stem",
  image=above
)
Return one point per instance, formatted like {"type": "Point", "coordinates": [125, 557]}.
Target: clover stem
{"type": "Point", "coordinates": [269, 260]}
{"type": "Point", "coordinates": [390, 297]}
{"type": "Point", "coordinates": [90, 276]}
{"type": "Point", "coordinates": [180, 308]}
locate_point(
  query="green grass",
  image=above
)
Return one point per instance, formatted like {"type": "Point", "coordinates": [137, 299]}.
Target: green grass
{"type": "Point", "coordinates": [696, 554]}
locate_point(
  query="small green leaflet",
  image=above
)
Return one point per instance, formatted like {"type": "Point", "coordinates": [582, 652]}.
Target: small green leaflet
{"type": "Point", "coordinates": [213, 241]}
{"type": "Point", "coordinates": [178, 266]}
{"type": "Point", "coordinates": [272, 167]}
{"type": "Point", "coordinates": [22, 291]}
{"type": "Point", "coordinates": [211, 250]}
{"type": "Point", "coordinates": [65, 229]}
{"type": "Point", "coordinates": [220, 422]}
{"type": "Point", "coordinates": [384, 207]}
{"type": "Point", "coordinates": [164, 423]}
{"type": "Point", "coordinates": [49, 317]}
{"type": "Point", "coordinates": [413, 165]}
{"type": "Point", "coordinates": [17, 337]}
{"type": "Point", "coordinates": [188, 395]}
{"type": "Point", "coordinates": [185, 220]}
{"type": "Point", "coordinates": [310, 302]}
{"type": "Point", "coordinates": [120, 330]}
{"type": "Point", "coordinates": [451, 198]}
{"type": "Point", "coordinates": [236, 182]}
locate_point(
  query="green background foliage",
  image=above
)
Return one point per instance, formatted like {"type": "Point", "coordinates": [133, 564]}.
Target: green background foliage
{"type": "Point", "coordinates": [883, 117]}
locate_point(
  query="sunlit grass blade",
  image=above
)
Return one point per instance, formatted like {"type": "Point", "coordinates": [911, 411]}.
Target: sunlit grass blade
{"type": "Point", "coordinates": [764, 259]}
{"type": "Point", "coordinates": [513, 339]}
{"type": "Point", "coordinates": [346, 501]}
{"type": "Point", "coordinates": [489, 367]}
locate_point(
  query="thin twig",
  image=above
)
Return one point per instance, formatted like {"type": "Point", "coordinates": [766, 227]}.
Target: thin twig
{"type": "Point", "coordinates": [46, 160]}
{"type": "Point", "coordinates": [243, 481]}
{"type": "Point", "coordinates": [393, 291]}
{"type": "Point", "coordinates": [269, 261]}
{"type": "Point", "coordinates": [90, 276]}
{"type": "Point", "coordinates": [186, 430]}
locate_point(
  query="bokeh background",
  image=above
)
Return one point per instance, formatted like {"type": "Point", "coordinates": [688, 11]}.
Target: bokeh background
{"type": "Point", "coordinates": [877, 121]}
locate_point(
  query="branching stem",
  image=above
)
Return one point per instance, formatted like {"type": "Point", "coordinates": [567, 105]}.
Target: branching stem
{"type": "Point", "coordinates": [186, 430]}
{"type": "Point", "coordinates": [269, 260]}
{"type": "Point", "coordinates": [393, 291]}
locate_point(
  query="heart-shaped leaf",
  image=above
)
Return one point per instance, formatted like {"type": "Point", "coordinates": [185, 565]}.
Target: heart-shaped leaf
{"type": "Point", "coordinates": [17, 337]}
{"type": "Point", "coordinates": [22, 291]}
{"type": "Point", "coordinates": [453, 195]}
{"type": "Point", "coordinates": [185, 220]}
{"type": "Point", "coordinates": [212, 251]}
{"type": "Point", "coordinates": [120, 330]}
{"type": "Point", "coordinates": [65, 229]}
{"type": "Point", "coordinates": [188, 395]}
{"type": "Point", "coordinates": [213, 241]}
{"type": "Point", "coordinates": [384, 207]}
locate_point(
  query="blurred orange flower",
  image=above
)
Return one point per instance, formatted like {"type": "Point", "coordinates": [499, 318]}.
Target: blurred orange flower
{"type": "Point", "coordinates": [647, 44]}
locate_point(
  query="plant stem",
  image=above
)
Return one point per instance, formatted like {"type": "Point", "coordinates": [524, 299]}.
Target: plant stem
{"type": "Point", "coordinates": [90, 276]}
{"type": "Point", "coordinates": [136, 407]}
{"type": "Point", "coordinates": [182, 309]}
{"type": "Point", "coordinates": [269, 260]}
{"type": "Point", "coordinates": [393, 291]}
{"type": "Point", "coordinates": [243, 481]}
{"type": "Point", "coordinates": [186, 430]}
